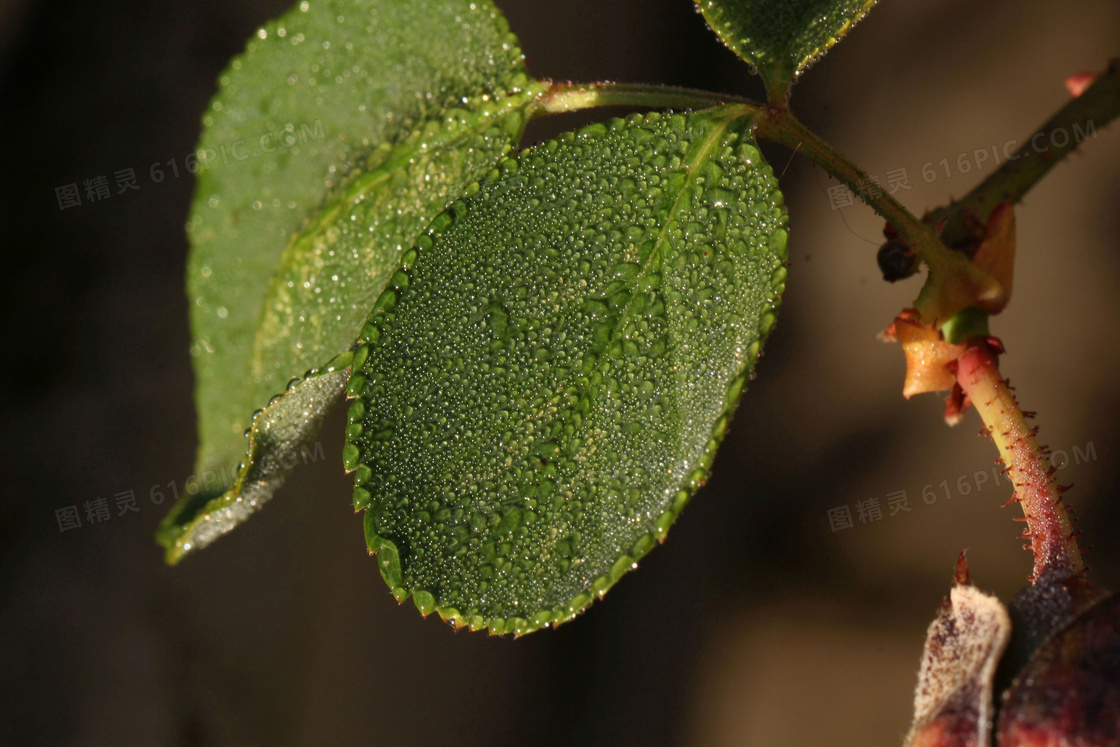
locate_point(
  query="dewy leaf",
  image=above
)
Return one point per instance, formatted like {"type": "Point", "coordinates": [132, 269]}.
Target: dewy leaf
{"type": "Point", "coordinates": [335, 138]}
{"type": "Point", "coordinates": [327, 86]}
{"type": "Point", "coordinates": [544, 383]}
{"type": "Point", "coordinates": [334, 270]}
{"type": "Point", "coordinates": [782, 37]}
{"type": "Point", "coordinates": [278, 441]}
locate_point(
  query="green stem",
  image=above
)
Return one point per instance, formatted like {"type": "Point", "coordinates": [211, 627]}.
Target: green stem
{"type": "Point", "coordinates": [1073, 124]}
{"type": "Point", "coordinates": [571, 97]}
{"type": "Point", "coordinates": [782, 127]}
{"type": "Point", "coordinates": [954, 282]}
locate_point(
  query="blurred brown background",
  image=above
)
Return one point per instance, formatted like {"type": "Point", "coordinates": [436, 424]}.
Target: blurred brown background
{"type": "Point", "coordinates": [754, 625]}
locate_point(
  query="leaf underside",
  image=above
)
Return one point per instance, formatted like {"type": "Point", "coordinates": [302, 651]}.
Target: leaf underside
{"type": "Point", "coordinates": [543, 385]}
{"type": "Point", "coordinates": [325, 157]}
{"type": "Point", "coordinates": [278, 441]}
{"type": "Point", "coordinates": [781, 39]}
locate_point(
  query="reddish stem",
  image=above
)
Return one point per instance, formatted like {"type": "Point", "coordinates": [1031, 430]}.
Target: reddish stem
{"type": "Point", "coordinates": [1049, 529]}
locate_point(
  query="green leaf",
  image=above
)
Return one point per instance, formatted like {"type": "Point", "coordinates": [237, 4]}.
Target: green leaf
{"type": "Point", "coordinates": [335, 138]}
{"type": "Point", "coordinates": [543, 385]}
{"type": "Point", "coordinates": [342, 82]}
{"type": "Point", "coordinates": [782, 38]}
{"type": "Point", "coordinates": [332, 272]}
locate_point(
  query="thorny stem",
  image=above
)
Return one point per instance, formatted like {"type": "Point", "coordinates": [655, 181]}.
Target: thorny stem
{"type": "Point", "coordinates": [1049, 529]}
{"type": "Point", "coordinates": [1095, 107]}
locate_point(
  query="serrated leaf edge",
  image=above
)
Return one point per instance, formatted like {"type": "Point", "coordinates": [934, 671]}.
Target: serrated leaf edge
{"type": "Point", "coordinates": [250, 489]}
{"type": "Point", "coordinates": [777, 79]}
{"type": "Point", "coordinates": [386, 550]}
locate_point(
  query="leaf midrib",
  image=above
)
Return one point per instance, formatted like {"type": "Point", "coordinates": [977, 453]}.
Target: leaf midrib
{"type": "Point", "coordinates": [701, 153]}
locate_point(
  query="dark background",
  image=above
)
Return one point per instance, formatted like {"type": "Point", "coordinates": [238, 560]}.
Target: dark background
{"type": "Point", "coordinates": [754, 624]}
